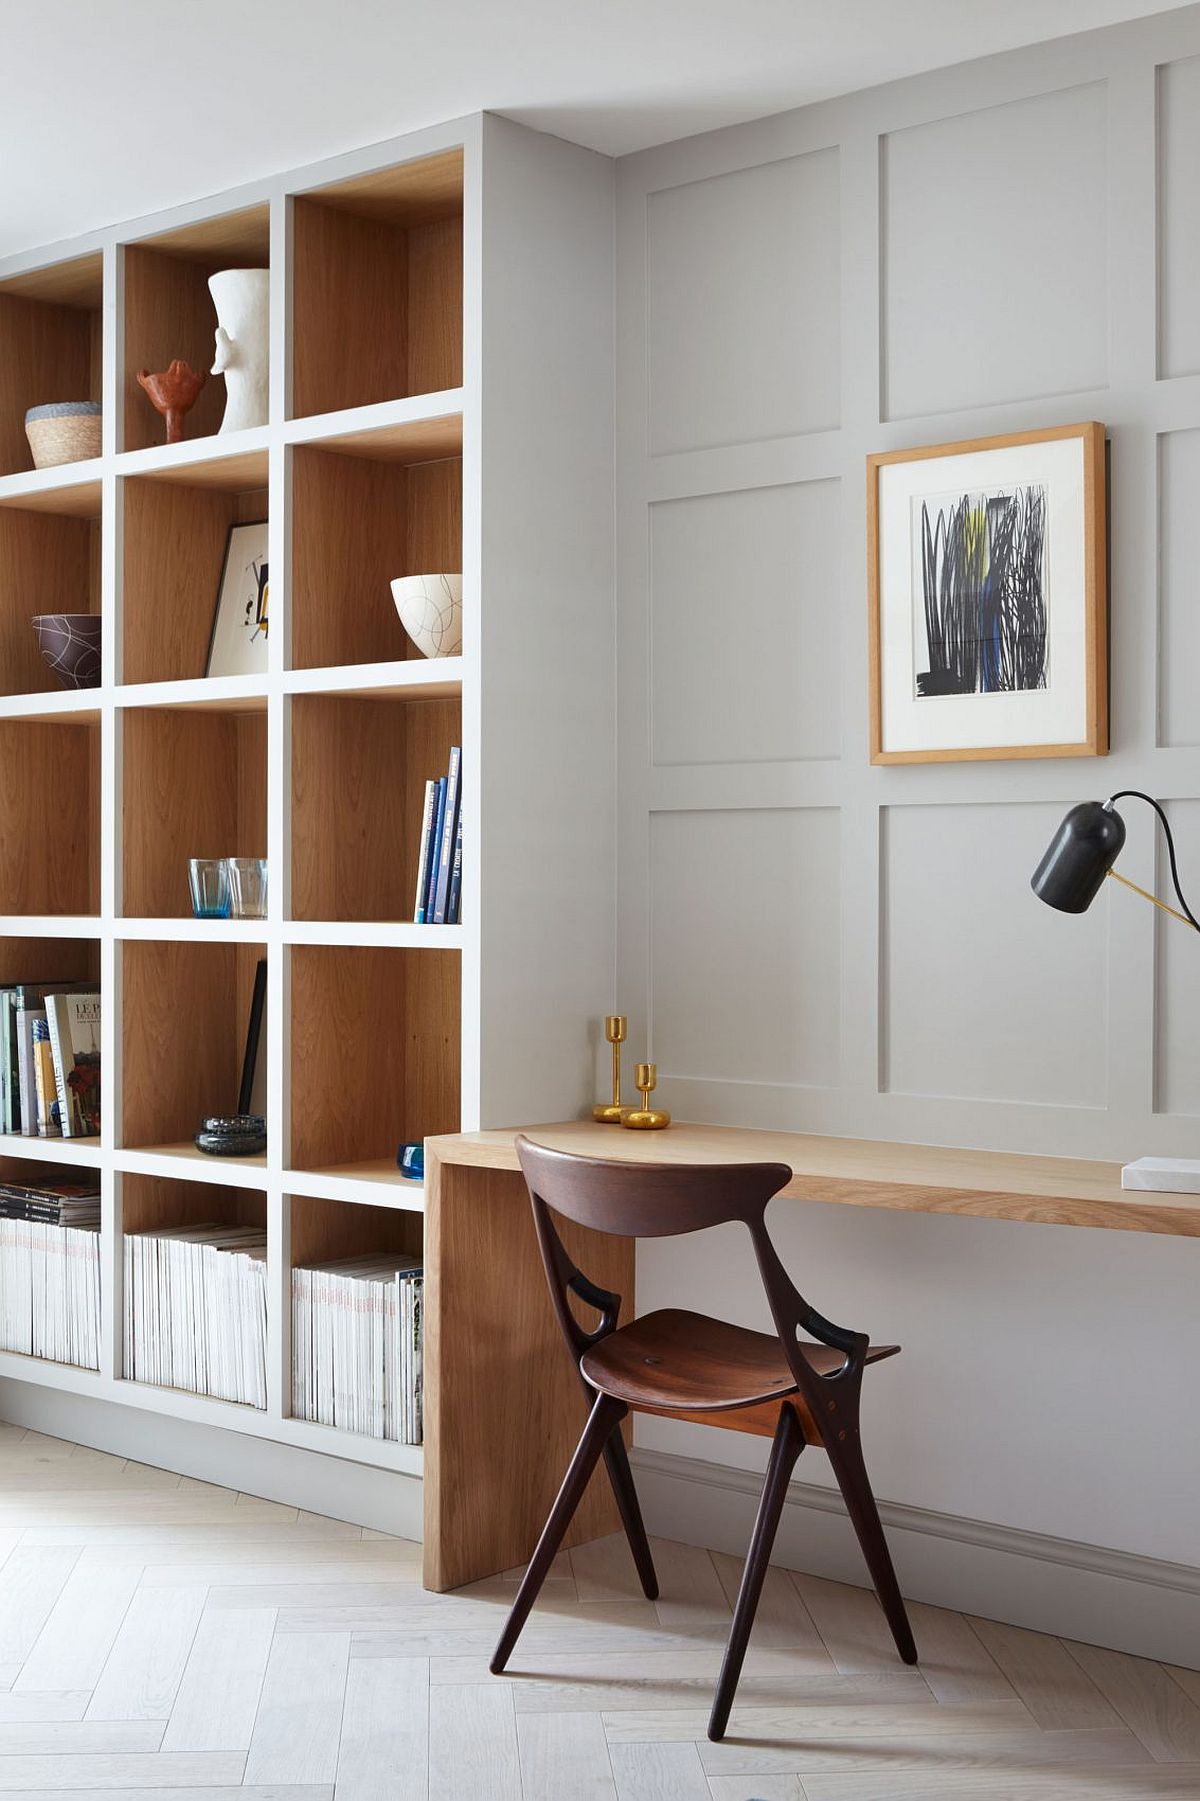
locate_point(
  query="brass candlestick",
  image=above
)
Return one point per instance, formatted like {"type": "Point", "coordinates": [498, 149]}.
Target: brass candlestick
{"type": "Point", "coordinates": [615, 1028]}
{"type": "Point", "coordinates": [646, 1118]}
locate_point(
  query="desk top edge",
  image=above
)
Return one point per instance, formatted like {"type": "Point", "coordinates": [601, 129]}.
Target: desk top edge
{"type": "Point", "coordinates": [868, 1172]}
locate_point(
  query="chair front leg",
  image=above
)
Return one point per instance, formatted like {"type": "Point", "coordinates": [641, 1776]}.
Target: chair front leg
{"type": "Point", "coordinates": [605, 1417]}
{"type": "Point", "coordinates": [846, 1456]}
{"type": "Point", "coordinates": [786, 1447]}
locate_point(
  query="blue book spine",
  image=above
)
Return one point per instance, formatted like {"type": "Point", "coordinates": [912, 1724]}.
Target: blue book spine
{"type": "Point", "coordinates": [439, 815]}
{"type": "Point", "coordinates": [452, 902]}
{"type": "Point", "coordinates": [426, 852]}
{"type": "Point", "coordinates": [446, 841]}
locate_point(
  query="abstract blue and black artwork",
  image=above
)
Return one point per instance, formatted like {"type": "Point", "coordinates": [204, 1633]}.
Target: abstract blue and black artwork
{"type": "Point", "coordinates": [983, 592]}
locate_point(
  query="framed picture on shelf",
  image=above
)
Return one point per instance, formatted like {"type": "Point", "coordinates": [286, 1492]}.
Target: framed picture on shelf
{"type": "Point", "coordinates": [252, 1096]}
{"type": "Point", "coordinates": [988, 610]}
{"type": "Point", "coordinates": [238, 645]}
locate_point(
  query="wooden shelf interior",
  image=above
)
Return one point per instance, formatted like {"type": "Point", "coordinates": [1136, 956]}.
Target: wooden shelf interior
{"type": "Point", "coordinates": [169, 312]}
{"type": "Point", "coordinates": [50, 346]}
{"type": "Point", "coordinates": [49, 563]}
{"type": "Point", "coordinates": [185, 1009]}
{"type": "Point", "coordinates": [49, 960]}
{"type": "Point", "coordinates": [359, 768]}
{"type": "Point", "coordinates": [375, 1050]}
{"type": "Point", "coordinates": [195, 785]}
{"type": "Point", "coordinates": [377, 268]}
{"type": "Point", "coordinates": [155, 1203]}
{"type": "Point", "coordinates": [358, 521]}
{"type": "Point", "coordinates": [176, 538]}
{"type": "Point", "coordinates": [50, 816]}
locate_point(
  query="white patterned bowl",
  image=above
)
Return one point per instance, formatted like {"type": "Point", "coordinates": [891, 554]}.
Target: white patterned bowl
{"type": "Point", "coordinates": [430, 609]}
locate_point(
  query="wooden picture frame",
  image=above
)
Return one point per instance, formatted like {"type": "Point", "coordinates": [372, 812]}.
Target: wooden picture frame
{"type": "Point", "coordinates": [1031, 678]}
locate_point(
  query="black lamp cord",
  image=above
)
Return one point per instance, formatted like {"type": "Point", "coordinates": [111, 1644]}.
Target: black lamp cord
{"type": "Point", "coordinates": [1136, 794]}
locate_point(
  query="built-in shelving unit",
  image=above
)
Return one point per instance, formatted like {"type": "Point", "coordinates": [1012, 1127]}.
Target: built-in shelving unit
{"type": "Point", "coordinates": [370, 466]}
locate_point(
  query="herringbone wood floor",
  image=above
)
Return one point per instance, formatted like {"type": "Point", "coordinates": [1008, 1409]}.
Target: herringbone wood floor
{"type": "Point", "coordinates": [179, 1642]}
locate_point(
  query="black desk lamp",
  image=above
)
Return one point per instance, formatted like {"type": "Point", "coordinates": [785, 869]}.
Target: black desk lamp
{"type": "Point", "coordinates": [1083, 850]}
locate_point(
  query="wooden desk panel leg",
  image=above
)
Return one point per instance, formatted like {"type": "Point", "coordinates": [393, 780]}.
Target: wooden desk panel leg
{"type": "Point", "coordinates": [503, 1407]}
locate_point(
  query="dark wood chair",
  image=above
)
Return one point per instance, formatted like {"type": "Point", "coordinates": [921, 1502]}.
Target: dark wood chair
{"type": "Point", "coordinates": [687, 1366]}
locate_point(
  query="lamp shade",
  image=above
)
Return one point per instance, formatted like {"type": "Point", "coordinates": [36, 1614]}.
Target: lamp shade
{"type": "Point", "coordinates": [1079, 856]}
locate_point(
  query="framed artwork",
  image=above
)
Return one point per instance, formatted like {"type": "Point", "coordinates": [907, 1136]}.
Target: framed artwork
{"type": "Point", "coordinates": [238, 645]}
{"type": "Point", "coordinates": [252, 1096]}
{"type": "Point", "coordinates": [988, 605]}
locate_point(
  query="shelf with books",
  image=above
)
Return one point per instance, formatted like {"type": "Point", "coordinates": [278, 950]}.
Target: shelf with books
{"type": "Point", "coordinates": [194, 785]}
{"type": "Point", "coordinates": [177, 539]}
{"type": "Point", "coordinates": [168, 310]}
{"type": "Point", "coordinates": [185, 1015]}
{"type": "Point", "coordinates": [50, 1262]}
{"type": "Point", "coordinates": [359, 771]}
{"type": "Point", "coordinates": [375, 1052]}
{"type": "Point", "coordinates": [356, 1275]}
{"type": "Point", "coordinates": [377, 261]}
{"type": "Point", "coordinates": [50, 345]}
{"type": "Point", "coordinates": [50, 1048]}
{"type": "Point", "coordinates": [358, 522]}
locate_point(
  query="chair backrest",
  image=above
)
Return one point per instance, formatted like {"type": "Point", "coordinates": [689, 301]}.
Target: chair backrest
{"type": "Point", "coordinates": [666, 1200]}
{"type": "Point", "coordinates": [648, 1200]}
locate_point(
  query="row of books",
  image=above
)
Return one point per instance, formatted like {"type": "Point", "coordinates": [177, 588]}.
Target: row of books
{"type": "Point", "coordinates": [50, 1060]}
{"type": "Point", "coordinates": [50, 1272]}
{"type": "Point", "coordinates": [196, 1310]}
{"type": "Point", "coordinates": [439, 862]}
{"type": "Point", "coordinates": [357, 1346]}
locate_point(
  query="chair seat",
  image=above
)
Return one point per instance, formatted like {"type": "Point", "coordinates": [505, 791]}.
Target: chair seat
{"type": "Point", "coordinates": [687, 1361]}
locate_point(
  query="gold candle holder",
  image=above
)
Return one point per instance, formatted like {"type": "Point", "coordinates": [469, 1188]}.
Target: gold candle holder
{"type": "Point", "coordinates": [646, 1118]}
{"type": "Point", "coordinates": [616, 1027]}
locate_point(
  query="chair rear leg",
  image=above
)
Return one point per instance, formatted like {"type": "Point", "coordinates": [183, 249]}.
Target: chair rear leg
{"type": "Point", "coordinates": [621, 1476]}
{"type": "Point", "coordinates": [606, 1414]}
{"type": "Point", "coordinates": [786, 1446]}
{"type": "Point", "coordinates": [847, 1459]}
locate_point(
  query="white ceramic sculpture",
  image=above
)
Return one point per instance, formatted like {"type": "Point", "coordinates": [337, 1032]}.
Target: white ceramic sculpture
{"type": "Point", "coordinates": [430, 609]}
{"type": "Point", "coordinates": [241, 297]}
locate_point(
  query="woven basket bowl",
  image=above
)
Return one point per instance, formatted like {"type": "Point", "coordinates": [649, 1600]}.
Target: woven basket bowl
{"type": "Point", "coordinates": [67, 431]}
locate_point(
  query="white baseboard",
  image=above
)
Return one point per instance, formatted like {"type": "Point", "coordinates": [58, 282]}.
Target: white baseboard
{"type": "Point", "coordinates": [382, 1500]}
{"type": "Point", "coordinates": [1143, 1605]}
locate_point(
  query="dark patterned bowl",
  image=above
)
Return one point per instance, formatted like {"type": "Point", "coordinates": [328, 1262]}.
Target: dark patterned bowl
{"type": "Point", "coordinates": [70, 643]}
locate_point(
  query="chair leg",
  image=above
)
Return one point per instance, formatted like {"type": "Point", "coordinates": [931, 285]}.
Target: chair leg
{"type": "Point", "coordinates": [786, 1446]}
{"type": "Point", "coordinates": [847, 1459]}
{"type": "Point", "coordinates": [606, 1414]}
{"type": "Point", "coordinates": [621, 1476]}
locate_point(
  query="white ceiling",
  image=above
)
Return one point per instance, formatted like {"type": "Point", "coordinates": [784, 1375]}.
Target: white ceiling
{"type": "Point", "coordinates": [114, 108]}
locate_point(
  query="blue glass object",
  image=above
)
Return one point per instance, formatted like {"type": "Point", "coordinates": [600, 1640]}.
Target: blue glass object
{"type": "Point", "coordinates": [209, 881]}
{"type": "Point", "coordinates": [410, 1161]}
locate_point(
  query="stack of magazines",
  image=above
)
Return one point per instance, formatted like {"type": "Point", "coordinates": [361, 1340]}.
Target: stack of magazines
{"type": "Point", "coordinates": [356, 1346]}
{"type": "Point", "coordinates": [50, 1271]}
{"type": "Point", "coordinates": [196, 1310]}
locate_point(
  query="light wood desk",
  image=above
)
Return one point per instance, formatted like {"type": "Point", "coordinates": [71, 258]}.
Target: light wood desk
{"type": "Point", "coordinates": [503, 1410]}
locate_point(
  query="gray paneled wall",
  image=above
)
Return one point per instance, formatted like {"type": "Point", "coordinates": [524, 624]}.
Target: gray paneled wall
{"type": "Point", "coordinates": [808, 942]}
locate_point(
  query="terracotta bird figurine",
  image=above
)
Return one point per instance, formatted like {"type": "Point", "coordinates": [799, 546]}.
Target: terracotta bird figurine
{"type": "Point", "coordinates": [172, 393]}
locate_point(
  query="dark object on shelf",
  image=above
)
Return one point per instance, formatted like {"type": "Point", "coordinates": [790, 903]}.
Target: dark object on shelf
{"type": "Point", "coordinates": [236, 1135]}
{"type": "Point", "coordinates": [70, 643]}
{"type": "Point", "coordinates": [173, 393]}
{"type": "Point", "coordinates": [1083, 850]}
{"type": "Point", "coordinates": [258, 1003]}
{"type": "Point", "coordinates": [686, 1365]}
{"type": "Point", "coordinates": [65, 431]}
{"type": "Point", "coordinates": [410, 1161]}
